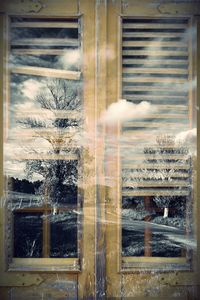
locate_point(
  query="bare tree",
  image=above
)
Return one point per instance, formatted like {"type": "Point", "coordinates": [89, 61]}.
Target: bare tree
{"type": "Point", "coordinates": [58, 97]}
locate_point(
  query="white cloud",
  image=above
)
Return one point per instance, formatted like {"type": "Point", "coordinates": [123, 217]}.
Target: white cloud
{"type": "Point", "coordinates": [187, 137]}
{"type": "Point", "coordinates": [15, 148]}
{"type": "Point", "coordinates": [17, 169]}
{"type": "Point", "coordinates": [70, 58]}
{"type": "Point", "coordinates": [123, 110]}
{"type": "Point", "coordinates": [14, 168]}
{"type": "Point", "coordinates": [12, 148]}
{"type": "Point", "coordinates": [30, 88]}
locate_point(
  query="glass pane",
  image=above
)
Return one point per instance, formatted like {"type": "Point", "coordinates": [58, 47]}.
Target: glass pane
{"type": "Point", "coordinates": [43, 138]}
{"type": "Point", "coordinates": [27, 234]}
{"type": "Point", "coordinates": [158, 138]}
{"type": "Point", "coordinates": [63, 234]}
{"type": "Point", "coordinates": [40, 46]}
{"type": "Point", "coordinates": [145, 230]}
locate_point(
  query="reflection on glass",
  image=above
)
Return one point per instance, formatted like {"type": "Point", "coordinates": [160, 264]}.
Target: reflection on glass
{"type": "Point", "coordinates": [147, 232]}
{"type": "Point", "coordinates": [63, 232]}
{"type": "Point", "coordinates": [27, 234]}
{"type": "Point", "coordinates": [158, 143]}
{"type": "Point", "coordinates": [43, 126]}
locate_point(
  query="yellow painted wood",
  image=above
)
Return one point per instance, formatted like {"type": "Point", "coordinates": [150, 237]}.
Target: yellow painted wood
{"type": "Point", "coordinates": [132, 259]}
{"type": "Point", "coordinates": [47, 72]}
{"type": "Point", "coordinates": [104, 53]}
{"type": "Point", "coordinates": [45, 264]}
{"type": "Point", "coordinates": [185, 8]}
{"type": "Point", "coordinates": [153, 26]}
{"type": "Point", "coordinates": [153, 287]}
{"type": "Point", "coordinates": [113, 242]}
{"type": "Point", "coordinates": [40, 51]}
{"type": "Point", "coordinates": [149, 8]}
{"type": "Point", "coordinates": [176, 89]}
{"type": "Point", "coordinates": [46, 24]}
{"type": "Point", "coordinates": [42, 7]}
{"type": "Point", "coordinates": [13, 279]}
{"type": "Point", "coordinates": [151, 52]}
{"type": "Point", "coordinates": [156, 192]}
{"type": "Point", "coordinates": [156, 97]}
{"type": "Point", "coordinates": [154, 70]}
{"type": "Point", "coordinates": [153, 79]}
{"type": "Point", "coordinates": [56, 286]}
{"type": "Point", "coordinates": [181, 115]}
{"type": "Point", "coordinates": [153, 44]}
{"type": "Point", "coordinates": [154, 34]}
{"type": "Point", "coordinates": [155, 62]}
{"type": "Point", "coordinates": [19, 279]}
{"type": "Point", "coordinates": [117, 285]}
{"type": "Point", "coordinates": [45, 41]}
{"type": "Point", "coordinates": [86, 279]}
{"type": "Point", "coordinates": [155, 184]}
{"type": "Point", "coordinates": [155, 125]}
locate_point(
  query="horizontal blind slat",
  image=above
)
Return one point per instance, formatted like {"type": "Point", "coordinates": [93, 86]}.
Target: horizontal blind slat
{"type": "Point", "coordinates": [154, 80]}
{"type": "Point", "coordinates": [44, 24]}
{"type": "Point", "coordinates": [174, 183]}
{"type": "Point", "coordinates": [153, 26]}
{"type": "Point", "coordinates": [71, 75]}
{"type": "Point", "coordinates": [154, 44]}
{"type": "Point", "coordinates": [156, 192]}
{"type": "Point", "coordinates": [45, 41]}
{"type": "Point", "coordinates": [156, 53]}
{"type": "Point", "coordinates": [150, 61]}
{"type": "Point", "coordinates": [154, 71]}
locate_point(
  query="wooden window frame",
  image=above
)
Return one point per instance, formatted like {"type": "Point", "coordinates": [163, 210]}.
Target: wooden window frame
{"type": "Point", "coordinates": [69, 265]}
{"type": "Point", "coordinates": [132, 264]}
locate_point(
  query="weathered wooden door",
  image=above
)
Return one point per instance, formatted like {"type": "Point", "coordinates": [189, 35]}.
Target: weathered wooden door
{"type": "Point", "coordinates": [99, 194]}
{"type": "Point", "coordinates": [151, 240]}
{"type": "Point", "coordinates": [48, 184]}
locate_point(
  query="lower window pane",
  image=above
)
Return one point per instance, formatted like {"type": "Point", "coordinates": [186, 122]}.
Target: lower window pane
{"type": "Point", "coordinates": [155, 226]}
{"type": "Point", "coordinates": [27, 234]}
{"type": "Point", "coordinates": [63, 233]}
{"type": "Point", "coordinates": [132, 242]}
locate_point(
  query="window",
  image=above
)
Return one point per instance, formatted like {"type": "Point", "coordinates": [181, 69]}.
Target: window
{"type": "Point", "coordinates": [89, 204]}
{"type": "Point", "coordinates": [157, 143]}
{"type": "Point", "coordinates": [44, 117]}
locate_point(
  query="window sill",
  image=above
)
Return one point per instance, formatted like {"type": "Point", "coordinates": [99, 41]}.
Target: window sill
{"type": "Point", "coordinates": [71, 265]}
{"type": "Point", "coordinates": [164, 264]}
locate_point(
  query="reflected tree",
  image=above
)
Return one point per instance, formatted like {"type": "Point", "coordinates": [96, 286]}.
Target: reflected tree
{"type": "Point", "coordinates": [165, 153]}
{"type": "Point", "coordinates": [54, 125]}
